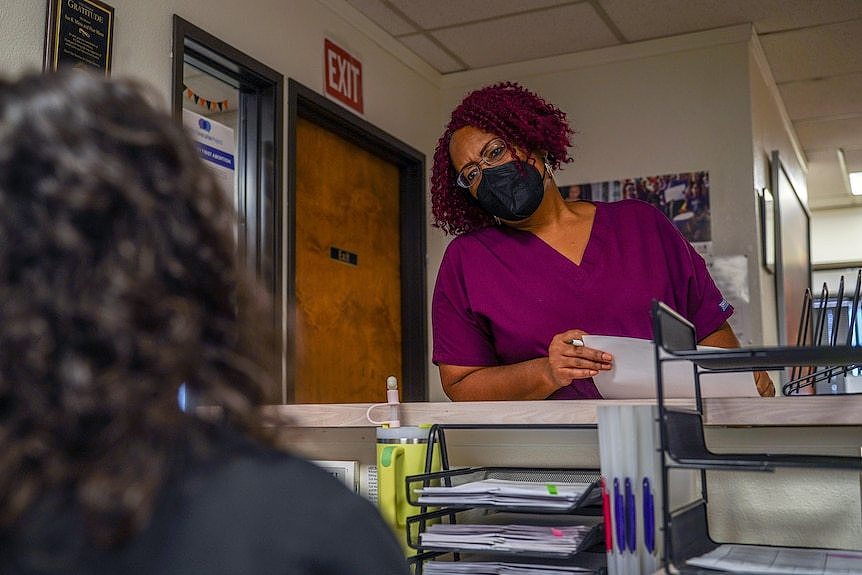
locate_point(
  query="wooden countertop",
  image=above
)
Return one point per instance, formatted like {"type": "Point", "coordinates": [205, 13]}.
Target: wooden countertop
{"type": "Point", "coordinates": [774, 411]}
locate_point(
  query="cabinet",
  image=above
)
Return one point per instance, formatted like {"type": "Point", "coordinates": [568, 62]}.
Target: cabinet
{"type": "Point", "coordinates": [583, 510]}
{"type": "Point", "coordinates": [683, 443]}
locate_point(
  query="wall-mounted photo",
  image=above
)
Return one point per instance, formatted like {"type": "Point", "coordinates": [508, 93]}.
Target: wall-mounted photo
{"type": "Point", "coordinates": [683, 197]}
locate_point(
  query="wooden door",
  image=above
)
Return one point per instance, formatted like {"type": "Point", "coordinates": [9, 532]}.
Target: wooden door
{"type": "Point", "coordinates": [347, 335]}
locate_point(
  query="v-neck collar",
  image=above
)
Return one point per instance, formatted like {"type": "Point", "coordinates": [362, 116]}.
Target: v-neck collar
{"type": "Point", "coordinates": [586, 257]}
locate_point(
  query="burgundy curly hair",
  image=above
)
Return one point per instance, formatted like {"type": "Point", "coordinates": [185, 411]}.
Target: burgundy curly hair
{"type": "Point", "coordinates": [507, 110]}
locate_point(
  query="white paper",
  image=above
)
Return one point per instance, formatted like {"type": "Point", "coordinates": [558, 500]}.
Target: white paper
{"type": "Point", "coordinates": [632, 375]}
{"type": "Point", "coordinates": [505, 493]}
{"type": "Point", "coordinates": [768, 560]}
{"type": "Point", "coordinates": [497, 568]}
{"type": "Point", "coordinates": [562, 541]}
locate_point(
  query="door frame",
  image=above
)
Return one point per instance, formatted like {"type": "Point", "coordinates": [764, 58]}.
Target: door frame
{"type": "Point", "coordinates": [309, 105]}
{"type": "Point", "coordinates": [260, 152]}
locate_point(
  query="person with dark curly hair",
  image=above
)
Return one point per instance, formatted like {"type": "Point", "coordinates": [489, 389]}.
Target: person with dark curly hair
{"type": "Point", "coordinates": [529, 273]}
{"type": "Point", "coordinates": [119, 282]}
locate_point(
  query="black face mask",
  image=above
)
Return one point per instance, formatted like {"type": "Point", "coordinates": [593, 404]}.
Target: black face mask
{"type": "Point", "coordinates": [509, 192]}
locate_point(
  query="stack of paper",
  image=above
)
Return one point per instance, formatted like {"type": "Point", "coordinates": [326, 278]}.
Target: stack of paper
{"type": "Point", "coordinates": [505, 493]}
{"type": "Point", "coordinates": [494, 568]}
{"type": "Point", "coordinates": [769, 560]}
{"type": "Point", "coordinates": [557, 541]}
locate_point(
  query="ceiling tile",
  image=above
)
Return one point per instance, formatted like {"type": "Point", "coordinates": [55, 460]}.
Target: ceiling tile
{"type": "Point", "coordinates": [834, 96]}
{"type": "Point", "coordinates": [814, 52]}
{"type": "Point", "coordinates": [823, 134]}
{"type": "Point", "coordinates": [432, 53]}
{"type": "Point", "coordinates": [776, 15]}
{"type": "Point", "coordinates": [853, 160]}
{"type": "Point", "coordinates": [812, 48]}
{"type": "Point", "coordinates": [639, 20]}
{"type": "Point", "coordinates": [379, 13]}
{"type": "Point", "coordinates": [570, 28]}
{"type": "Point", "coordinates": [440, 13]}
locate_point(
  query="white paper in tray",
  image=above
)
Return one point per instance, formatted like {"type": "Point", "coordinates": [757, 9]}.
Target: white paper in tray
{"type": "Point", "coordinates": [633, 373]}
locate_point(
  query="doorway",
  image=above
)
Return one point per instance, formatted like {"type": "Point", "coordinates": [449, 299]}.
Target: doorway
{"type": "Point", "coordinates": [356, 258]}
{"type": "Point", "coordinates": [233, 106]}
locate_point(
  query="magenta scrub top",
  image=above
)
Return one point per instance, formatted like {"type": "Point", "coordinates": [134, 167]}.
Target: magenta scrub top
{"type": "Point", "coordinates": [502, 294]}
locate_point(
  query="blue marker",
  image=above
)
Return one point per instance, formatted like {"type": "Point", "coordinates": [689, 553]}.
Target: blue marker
{"type": "Point", "coordinates": [631, 517]}
{"type": "Point", "coordinates": [649, 517]}
{"type": "Point", "coordinates": [619, 516]}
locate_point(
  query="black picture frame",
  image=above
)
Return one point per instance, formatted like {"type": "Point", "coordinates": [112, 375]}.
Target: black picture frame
{"type": "Point", "coordinates": [766, 207]}
{"type": "Point", "coordinates": [79, 34]}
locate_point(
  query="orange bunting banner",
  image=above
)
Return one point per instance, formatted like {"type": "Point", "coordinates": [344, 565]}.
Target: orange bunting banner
{"type": "Point", "coordinates": [201, 101]}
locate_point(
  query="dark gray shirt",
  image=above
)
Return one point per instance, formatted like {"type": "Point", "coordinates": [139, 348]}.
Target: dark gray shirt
{"type": "Point", "coordinates": [241, 510]}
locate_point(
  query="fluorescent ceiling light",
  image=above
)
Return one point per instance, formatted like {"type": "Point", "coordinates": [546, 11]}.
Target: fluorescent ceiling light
{"type": "Point", "coordinates": [856, 183]}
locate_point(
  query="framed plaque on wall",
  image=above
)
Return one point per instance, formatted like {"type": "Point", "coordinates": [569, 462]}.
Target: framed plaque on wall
{"type": "Point", "coordinates": [79, 34]}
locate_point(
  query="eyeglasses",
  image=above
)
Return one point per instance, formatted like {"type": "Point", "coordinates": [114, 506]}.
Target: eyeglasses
{"type": "Point", "coordinates": [493, 153]}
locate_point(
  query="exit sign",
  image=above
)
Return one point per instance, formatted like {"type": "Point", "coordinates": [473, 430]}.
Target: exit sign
{"type": "Point", "coordinates": [343, 76]}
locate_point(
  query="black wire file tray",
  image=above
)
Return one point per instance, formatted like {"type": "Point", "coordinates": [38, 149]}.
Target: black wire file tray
{"type": "Point", "coordinates": [586, 562]}
{"type": "Point", "coordinates": [686, 529]}
{"type": "Point", "coordinates": [682, 429]}
{"type": "Point", "coordinates": [584, 509]}
{"type": "Point", "coordinates": [514, 535]}
{"type": "Point", "coordinates": [551, 490]}
{"type": "Point", "coordinates": [569, 532]}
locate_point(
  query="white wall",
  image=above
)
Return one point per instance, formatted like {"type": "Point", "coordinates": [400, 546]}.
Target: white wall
{"type": "Point", "coordinates": [836, 236]}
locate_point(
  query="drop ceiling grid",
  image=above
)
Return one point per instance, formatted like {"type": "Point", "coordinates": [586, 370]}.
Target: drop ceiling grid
{"type": "Point", "coordinates": [818, 52]}
{"type": "Point", "coordinates": [562, 30]}
{"type": "Point", "coordinates": [425, 47]}
{"type": "Point", "coordinates": [823, 98]}
{"type": "Point", "coordinates": [430, 15]}
{"type": "Point", "coordinates": [812, 47]}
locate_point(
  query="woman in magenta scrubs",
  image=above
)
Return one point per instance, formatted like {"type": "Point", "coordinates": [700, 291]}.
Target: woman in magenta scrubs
{"type": "Point", "coordinates": [529, 272]}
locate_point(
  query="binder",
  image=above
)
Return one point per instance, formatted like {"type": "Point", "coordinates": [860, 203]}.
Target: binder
{"type": "Point", "coordinates": [630, 469]}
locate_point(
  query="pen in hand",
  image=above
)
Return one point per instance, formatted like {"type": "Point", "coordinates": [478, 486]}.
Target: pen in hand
{"type": "Point", "coordinates": [606, 358]}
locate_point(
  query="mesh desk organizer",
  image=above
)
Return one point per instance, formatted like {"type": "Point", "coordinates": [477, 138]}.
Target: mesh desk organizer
{"type": "Point", "coordinates": [824, 330]}
{"type": "Point", "coordinates": [586, 507]}
{"type": "Point", "coordinates": [683, 443]}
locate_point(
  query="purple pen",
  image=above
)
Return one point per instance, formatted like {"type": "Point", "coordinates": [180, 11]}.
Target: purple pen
{"type": "Point", "coordinates": [631, 517]}
{"type": "Point", "coordinates": [649, 516]}
{"type": "Point", "coordinates": [619, 516]}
